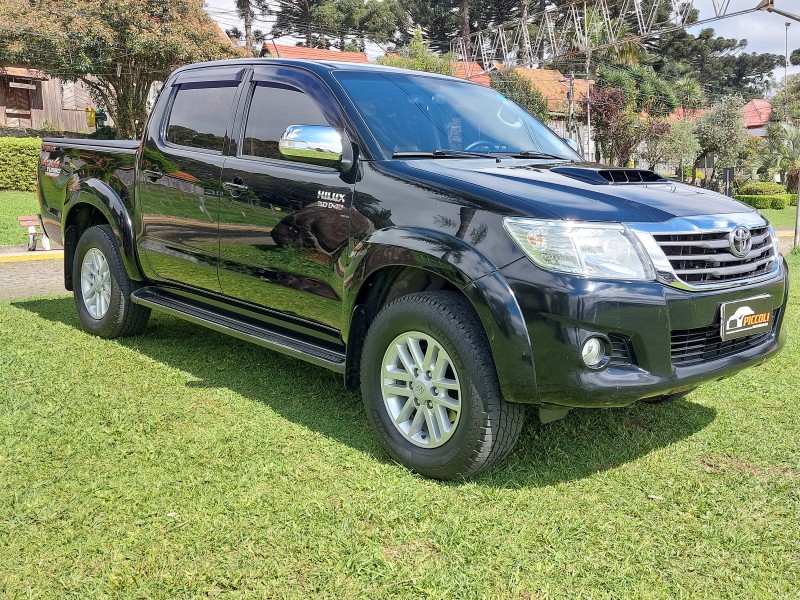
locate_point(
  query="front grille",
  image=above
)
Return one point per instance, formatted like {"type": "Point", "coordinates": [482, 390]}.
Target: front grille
{"type": "Point", "coordinates": [692, 346]}
{"type": "Point", "coordinates": [705, 258]}
{"type": "Point", "coordinates": [621, 353]}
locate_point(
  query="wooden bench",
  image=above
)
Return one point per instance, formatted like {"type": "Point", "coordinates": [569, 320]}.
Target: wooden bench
{"type": "Point", "coordinates": [34, 232]}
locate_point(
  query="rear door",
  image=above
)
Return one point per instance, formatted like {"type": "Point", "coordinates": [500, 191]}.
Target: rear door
{"type": "Point", "coordinates": [179, 177]}
{"type": "Point", "coordinates": [283, 224]}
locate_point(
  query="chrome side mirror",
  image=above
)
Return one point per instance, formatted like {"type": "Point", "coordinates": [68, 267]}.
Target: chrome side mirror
{"type": "Point", "coordinates": [317, 145]}
{"type": "Point", "coordinates": [573, 144]}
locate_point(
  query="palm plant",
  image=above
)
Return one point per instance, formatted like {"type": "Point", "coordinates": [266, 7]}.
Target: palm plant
{"type": "Point", "coordinates": [689, 93]}
{"type": "Point", "coordinates": [789, 152]}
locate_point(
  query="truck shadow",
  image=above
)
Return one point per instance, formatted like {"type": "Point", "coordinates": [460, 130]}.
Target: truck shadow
{"type": "Point", "coordinates": [584, 443]}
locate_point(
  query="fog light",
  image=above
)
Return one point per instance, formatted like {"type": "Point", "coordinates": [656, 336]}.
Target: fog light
{"type": "Point", "coordinates": [593, 352]}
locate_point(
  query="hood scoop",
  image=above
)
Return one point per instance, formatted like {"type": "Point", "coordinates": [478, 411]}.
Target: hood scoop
{"type": "Point", "coordinates": [601, 176]}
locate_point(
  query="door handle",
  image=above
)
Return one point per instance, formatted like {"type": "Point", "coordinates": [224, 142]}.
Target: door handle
{"type": "Point", "coordinates": [153, 174]}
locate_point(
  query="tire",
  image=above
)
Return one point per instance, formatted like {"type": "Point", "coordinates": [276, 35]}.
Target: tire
{"type": "Point", "coordinates": [459, 443]}
{"type": "Point", "coordinates": [666, 398]}
{"type": "Point", "coordinates": [102, 288]}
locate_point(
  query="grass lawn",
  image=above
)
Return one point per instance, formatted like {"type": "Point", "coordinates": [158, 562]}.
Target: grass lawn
{"type": "Point", "coordinates": [13, 205]}
{"type": "Point", "coordinates": [780, 218]}
{"type": "Point", "coordinates": [185, 463]}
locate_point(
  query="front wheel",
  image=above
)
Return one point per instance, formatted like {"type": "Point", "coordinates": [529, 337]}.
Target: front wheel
{"type": "Point", "coordinates": [102, 288]}
{"type": "Point", "coordinates": [430, 388]}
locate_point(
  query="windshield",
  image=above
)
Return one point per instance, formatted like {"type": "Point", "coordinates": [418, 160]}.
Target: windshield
{"type": "Point", "coordinates": [418, 113]}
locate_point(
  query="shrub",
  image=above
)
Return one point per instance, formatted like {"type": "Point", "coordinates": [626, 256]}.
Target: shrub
{"type": "Point", "coordinates": [776, 201]}
{"type": "Point", "coordinates": [779, 202]}
{"type": "Point", "coordinates": [19, 161]}
{"type": "Point", "coordinates": [762, 188]}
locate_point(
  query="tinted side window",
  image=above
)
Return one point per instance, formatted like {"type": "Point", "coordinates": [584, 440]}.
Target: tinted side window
{"type": "Point", "coordinates": [199, 116]}
{"type": "Point", "coordinates": [272, 110]}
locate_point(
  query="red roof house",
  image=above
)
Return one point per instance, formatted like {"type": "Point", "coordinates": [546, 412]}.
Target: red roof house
{"type": "Point", "coordinates": [282, 51]}
{"type": "Point", "coordinates": [472, 71]}
{"type": "Point", "coordinates": [553, 85]}
{"type": "Point", "coordinates": [756, 115]}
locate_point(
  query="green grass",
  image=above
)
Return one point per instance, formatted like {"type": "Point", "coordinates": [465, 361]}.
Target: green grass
{"type": "Point", "coordinates": [13, 205]}
{"type": "Point", "coordinates": [780, 218]}
{"type": "Point", "coordinates": [183, 463]}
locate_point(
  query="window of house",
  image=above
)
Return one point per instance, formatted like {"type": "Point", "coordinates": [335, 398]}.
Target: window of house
{"type": "Point", "coordinates": [74, 96]}
{"type": "Point", "coordinates": [199, 116]}
{"type": "Point", "coordinates": [272, 110]}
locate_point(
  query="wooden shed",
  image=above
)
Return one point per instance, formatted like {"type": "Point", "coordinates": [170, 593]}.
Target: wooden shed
{"type": "Point", "coordinates": [31, 100]}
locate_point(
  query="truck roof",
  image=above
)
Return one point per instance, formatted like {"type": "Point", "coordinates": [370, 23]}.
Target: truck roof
{"type": "Point", "coordinates": [321, 67]}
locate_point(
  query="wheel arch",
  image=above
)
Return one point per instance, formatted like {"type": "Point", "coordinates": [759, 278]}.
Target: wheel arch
{"type": "Point", "coordinates": [381, 270]}
{"type": "Point", "coordinates": [94, 202]}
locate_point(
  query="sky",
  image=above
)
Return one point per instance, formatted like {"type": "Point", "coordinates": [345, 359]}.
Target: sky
{"type": "Point", "coordinates": [765, 32]}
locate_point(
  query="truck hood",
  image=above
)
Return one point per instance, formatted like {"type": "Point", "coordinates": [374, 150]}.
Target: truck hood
{"type": "Point", "coordinates": [575, 191]}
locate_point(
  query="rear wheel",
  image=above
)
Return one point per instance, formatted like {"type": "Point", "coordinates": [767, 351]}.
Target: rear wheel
{"type": "Point", "coordinates": [430, 388]}
{"type": "Point", "coordinates": [102, 288]}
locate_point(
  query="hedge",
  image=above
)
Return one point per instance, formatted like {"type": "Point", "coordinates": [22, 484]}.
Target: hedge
{"type": "Point", "coordinates": [19, 160]}
{"type": "Point", "coordinates": [762, 188]}
{"type": "Point", "coordinates": [776, 201]}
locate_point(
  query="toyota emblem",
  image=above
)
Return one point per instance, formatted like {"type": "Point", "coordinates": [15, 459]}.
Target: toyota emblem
{"type": "Point", "coordinates": [740, 241]}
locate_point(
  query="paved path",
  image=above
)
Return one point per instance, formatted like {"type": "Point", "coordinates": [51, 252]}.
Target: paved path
{"type": "Point", "coordinates": [26, 274]}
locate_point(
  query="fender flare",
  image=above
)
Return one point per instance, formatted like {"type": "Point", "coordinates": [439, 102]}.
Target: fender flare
{"type": "Point", "coordinates": [469, 271]}
{"type": "Point", "coordinates": [116, 211]}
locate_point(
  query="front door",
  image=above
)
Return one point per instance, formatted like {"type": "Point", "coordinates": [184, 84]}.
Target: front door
{"type": "Point", "coordinates": [179, 179]}
{"type": "Point", "coordinates": [283, 224]}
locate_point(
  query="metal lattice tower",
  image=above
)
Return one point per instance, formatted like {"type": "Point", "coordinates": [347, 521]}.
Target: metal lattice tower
{"type": "Point", "coordinates": [581, 27]}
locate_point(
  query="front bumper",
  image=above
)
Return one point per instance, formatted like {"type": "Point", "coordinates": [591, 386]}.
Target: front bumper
{"type": "Point", "coordinates": [561, 312]}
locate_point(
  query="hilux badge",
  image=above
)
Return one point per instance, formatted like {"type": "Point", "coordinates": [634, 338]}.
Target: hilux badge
{"type": "Point", "coordinates": [740, 241]}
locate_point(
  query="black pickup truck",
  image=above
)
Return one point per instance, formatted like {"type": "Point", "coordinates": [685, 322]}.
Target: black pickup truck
{"type": "Point", "coordinates": [421, 235]}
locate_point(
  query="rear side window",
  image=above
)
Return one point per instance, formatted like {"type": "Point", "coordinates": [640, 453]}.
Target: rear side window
{"type": "Point", "coordinates": [272, 110]}
{"type": "Point", "coordinates": [199, 116]}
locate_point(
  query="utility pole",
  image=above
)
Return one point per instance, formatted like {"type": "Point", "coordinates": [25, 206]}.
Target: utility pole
{"type": "Point", "coordinates": [786, 80]}
{"type": "Point", "coordinates": [570, 104]}
{"type": "Point", "coordinates": [588, 109]}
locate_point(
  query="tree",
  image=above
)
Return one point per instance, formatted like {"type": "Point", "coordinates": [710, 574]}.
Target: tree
{"type": "Point", "coordinates": [117, 48]}
{"type": "Point", "coordinates": [794, 58]}
{"type": "Point", "coordinates": [689, 93]}
{"type": "Point", "coordinates": [720, 63]}
{"type": "Point", "coordinates": [515, 87]}
{"type": "Point", "coordinates": [418, 56]}
{"type": "Point", "coordinates": [654, 149]}
{"type": "Point", "coordinates": [618, 127]}
{"type": "Point", "coordinates": [789, 152]}
{"type": "Point", "coordinates": [643, 89]}
{"type": "Point", "coordinates": [350, 22]}
{"type": "Point", "coordinates": [234, 33]}
{"type": "Point", "coordinates": [721, 132]}
{"type": "Point", "coordinates": [246, 13]}
{"type": "Point", "coordinates": [678, 145]}
{"type": "Point", "coordinates": [323, 23]}
{"type": "Point", "coordinates": [622, 104]}
{"type": "Point", "coordinates": [437, 19]}
{"type": "Point", "coordinates": [786, 103]}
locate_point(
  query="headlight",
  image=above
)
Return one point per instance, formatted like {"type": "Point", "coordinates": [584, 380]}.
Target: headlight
{"type": "Point", "coordinates": [602, 250]}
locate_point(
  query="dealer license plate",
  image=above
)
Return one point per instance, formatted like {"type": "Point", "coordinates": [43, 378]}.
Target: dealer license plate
{"type": "Point", "coordinates": [750, 316]}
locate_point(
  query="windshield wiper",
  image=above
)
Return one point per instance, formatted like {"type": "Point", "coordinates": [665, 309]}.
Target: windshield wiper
{"type": "Point", "coordinates": [444, 154]}
{"type": "Point", "coordinates": [537, 154]}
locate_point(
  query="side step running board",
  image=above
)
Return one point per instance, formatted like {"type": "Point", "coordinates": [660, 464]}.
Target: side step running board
{"type": "Point", "coordinates": [213, 318]}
